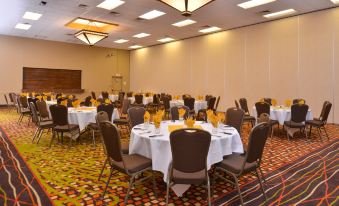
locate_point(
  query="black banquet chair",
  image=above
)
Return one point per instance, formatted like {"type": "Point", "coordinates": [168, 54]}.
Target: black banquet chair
{"type": "Point", "coordinates": [189, 159]}
{"type": "Point", "coordinates": [320, 122]}
{"type": "Point", "coordinates": [235, 118]}
{"type": "Point", "coordinates": [247, 117]}
{"type": "Point", "coordinates": [298, 118]}
{"type": "Point", "coordinates": [237, 165]}
{"type": "Point", "coordinates": [132, 164]}
{"type": "Point", "coordinates": [264, 107]}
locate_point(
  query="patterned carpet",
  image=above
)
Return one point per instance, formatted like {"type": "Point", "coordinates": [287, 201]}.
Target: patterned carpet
{"type": "Point", "coordinates": [18, 185]}
{"type": "Point", "coordinates": [70, 174]}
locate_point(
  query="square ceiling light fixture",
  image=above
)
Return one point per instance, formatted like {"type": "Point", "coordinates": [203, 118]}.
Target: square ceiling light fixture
{"type": "Point", "coordinates": [186, 7]}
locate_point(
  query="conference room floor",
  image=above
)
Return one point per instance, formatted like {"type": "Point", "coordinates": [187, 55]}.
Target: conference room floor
{"type": "Point", "coordinates": [70, 175]}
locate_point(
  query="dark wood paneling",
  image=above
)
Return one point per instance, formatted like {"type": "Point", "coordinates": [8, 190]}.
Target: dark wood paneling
{"type": "Point", "coordinates": [40, 79]}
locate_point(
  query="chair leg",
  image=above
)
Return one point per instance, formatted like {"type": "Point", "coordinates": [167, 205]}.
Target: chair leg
{"type": "Point", "coordinates": [154, 185]}
{"type": "Point", "coordinates": [53, 135]}
{"type": "Point", "coordinates": [129, 189]}
{"type": "Point", "coordinates": [319, 133]}
{"type": "Point", "coordinates": [261, 186]}
{"type": "Point", "coordinates": [305, 131]}
{"type": "Point", "coordinates": [109, 178]}
{"type": "Point", "coordinates": [208, 190]}
{"type": "Point", "coordinates": [310, 133]}
{"type": "Point", "coordinates": [323, 127]}
{"type": "Point", "coordinates": [93, 135]}
{"type": "Point", "coordinates": [167, 190]}
{"type": "Point", "coordinates": [262, 175]}
{"type": "Point", "coordinates": [35, 134]}
{"type": "Point", "coordinates": [102, 169]}
{"type": "Point", "coordinates": [39, 137]}
{"type": "Point", "coordinates": [238, 188]}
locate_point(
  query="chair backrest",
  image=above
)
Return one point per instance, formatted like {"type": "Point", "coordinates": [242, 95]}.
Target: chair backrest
{"type": "Point", "coordinates": [166, 101]}
{"type": "Point", "coordinates": [108, 109]}
{"type": "Point", "coordinates": [136, 115]}
{"type": "Point", "coordinates": [211, 102]}
{"type": "Point", "coordinates": [207, 97]}
{"type": "Point", "coordinates": [217, 104]}
{"type": "Point", "coordinates": [101, 117]}
{"type": "Point", "coordinates": [125, 105]}
{"type": "Point", "coordinates": [296, 101]}
{"type": "Point", "coordinates": [243, 105]}
{"type": "Point", "coordinates": [326, 113]}
{"type": "Point", "coordinates": [111, 137]}
{"type": "Point", "coordinates": [104, 95]}
{"type": "Point", "coordinates": [262, 107]}
{"type": "Point", "coordinates": [189, 102]}
{"type": "Point", "coordinates": [236, 104]}
{"type": "Point", "coordinates": [101, 100]}
{"type": "Point", "coordinates": [201, 115]}
{"type": "Point", "coordinates": [138, 98]}
{"type": "Point", "coordinates": [156, 99]}
{"type": "Point", "coordinates": [268, 101]}
{"type": "Point", "coordinates": [23, 102]}
{"type": "Point", "coordinates": [87, 102]}
{"type": "Point", "coordinates": [93, 95]}
{"type": "Point", "coordinates": [59, 114]}
{"type": "Point", "coordinates": [190, 149]}
{"type": "Point", "coordinates": [6, 99]}
{"type": "Point", "coordinates": [129, 94]}
{"type": "Point", "coordinates": [35, 117]}
{"type": "Point", "coordinates": [299, 112]}
{"type": "Point", "coordinates": [174, 111]}
{"type": "Point", "coordinates": [42, 108]}
{"type": "Point", "coordinates": [11, 97]}
{"type": "Point", "coordinates": [256, 142]}
{"type": "Point", "coordinates": [235, 118]}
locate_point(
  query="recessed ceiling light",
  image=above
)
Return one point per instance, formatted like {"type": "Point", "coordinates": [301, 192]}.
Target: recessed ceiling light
{"type": "Point", "coordinates": [184, 23]}
{"type": "Point", "coordinates": [23, 26]}
{"type": "Point", "coordinates": [141, 35]}
{"type": "Point", "coordinates": [167, 39]}
{"type": "Point", "coordinates": [254, 3]}
{"type": "Point", "coordinates": [88, 22]}
{"type": "Point", "coordinates": [280, 13]}
{"type": "Point", "coordinates": [31, 15]}
{"type": "Point", "coordinates": [120, 41]}
{"type": "Point", "coordinates": [135, 47]}
{"type": "Point", "coordinates": [210, 29]}
{"type": "Point", "coordinates": [152, 14]}
{"type": "Point", "coordinates": [335, 1]}
{"type": "Point", "coordinates": [110, 4]}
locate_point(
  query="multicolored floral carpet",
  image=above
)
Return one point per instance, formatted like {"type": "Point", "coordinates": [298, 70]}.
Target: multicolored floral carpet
{"type": "Point", "coordinates": [297, 172]}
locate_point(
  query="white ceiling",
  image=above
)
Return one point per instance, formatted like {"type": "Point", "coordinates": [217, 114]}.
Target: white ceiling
{"type": "Point", "coordinates": [221, 13]}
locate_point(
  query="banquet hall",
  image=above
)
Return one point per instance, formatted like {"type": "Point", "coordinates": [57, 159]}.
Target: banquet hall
{"type": "Point", "coordinates": [169, 102]}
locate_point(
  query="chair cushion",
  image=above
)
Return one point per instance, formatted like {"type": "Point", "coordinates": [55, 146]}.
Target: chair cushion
{"type": "Point", "coordinates": [234, 162]}
{"type": "Point", "coordinates": [125, 147]}
{"type": "Point", "coordinates": [273, 122]}
{"type": "Point", "coordinates": [93, 126]}
{"type": "Point", "coordinates": [133, 163]}
{"type": "Point", "coordinates": [316, 123]}
{"type": "Point", "coordinates": [180, 177]}
{"type": "Point", "coordinates": [292, 124]}
{"type": "Point", "coordinates": [120, 121]}
{"type": "Point", "coordinates": [46, 124]}
{"type": "Point", "coordinates": [66, 128]}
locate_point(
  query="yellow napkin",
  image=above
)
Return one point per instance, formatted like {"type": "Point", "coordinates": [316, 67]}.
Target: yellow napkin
{"type": "Point", "coordinates": [261, 100]}
{"type": "Point", "coordinates": [171, 128]}
{"type": "Point", "coordinates": [209, 113]}
{"type": "Point", "coordinates": [70, 97]}
{"type": "Point", "coordinates": [157, 120]}
{"type": "Point", "coordinates": [221, 117]}
{"type": "Point", "coordinates": [107, 101]}
{"type": "Point", "coordinates": [189, 122]}
{"type": "Point", "coordinates": [52, 97]}
{"type": "Point", "coordinates": [160, 112]}
{"type": "Point", "coordinates": [182, 112]}
{"type": "Point", "coordinates": [76, 103]}
{"type": "Point", "coordinates": [64, 103]}
{"type": "Point", "coordinates": [44, 98]}
{"type": "Point", "coordinates": [23, 94]}
{"type": "Point", "coordinates": [33, 94]}
{"type": "Point", "coordinates": [288, 102]}
{"type": "Point", "coordinates": [39, 98]}
{"type": "Point", "coordinates": [214, 120]}
{"type": "Point", "coordinates": [274, 102]}
{"type": "Point", "coordinates": [147, 116]}
{"type": "Point", "coordinates": [301, 102]}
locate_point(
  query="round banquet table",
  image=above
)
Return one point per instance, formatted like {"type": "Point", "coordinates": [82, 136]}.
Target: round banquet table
{"type": "Point", "coordinates": [145, 100]}
{"type": "Point", "coordinates": [158, 148]}
{"type": "Point", "coordinates": [198, 104]}
{"type": "Point", "coordinates": [282, 114]}
{"type": "Point", "coordinates": [83, 116]}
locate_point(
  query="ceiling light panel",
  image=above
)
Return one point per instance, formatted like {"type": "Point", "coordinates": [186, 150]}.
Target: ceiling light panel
{"type": "Point", "coordinates": [141, 35]}
{"type": "Point", "coordinates": [23, 26]}
{"type": "Point", "coordinates": [280, 13]}
{"type": "Point", "coordinates": [31, 15]}
{"type": "Point", "coordinates": [210, 29]}
{"type": "Point", "coordinates": [254, 3]}
{"type": "Point", "coordinates": [152, 14]}
{"type": "Point", "coordinates": [110, 4]}
{"type": "Point", "coordinates": [335, 1]}
{"type": "Point", "coordinates": [135, 47]}
{"type": "Point", "coordinates": [184, 23]}
{"type": "Point", "coordinates": [167, 39]}
{"type": "Point", "coordinates": [120, 41]}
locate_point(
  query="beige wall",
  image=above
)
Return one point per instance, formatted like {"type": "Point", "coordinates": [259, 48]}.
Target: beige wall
{"type": "Point", "coordinates": [98, 64]}
{"type": "Point", "coordinates": [288, 58]}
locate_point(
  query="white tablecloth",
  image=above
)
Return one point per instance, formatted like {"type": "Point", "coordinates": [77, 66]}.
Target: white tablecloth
{"type": "Point", "coordinates": [112, 97]}
{"type": "Point", "coordinates": [282, 114]}
{"type": "Point", "coordinates": [82, 117]}
{"type": "Point", "coordinates": [197, 104]}
{"type": "Point", "coordinates": [145, 100]}
{"type": "Point", "coordinates": [159, 150]}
